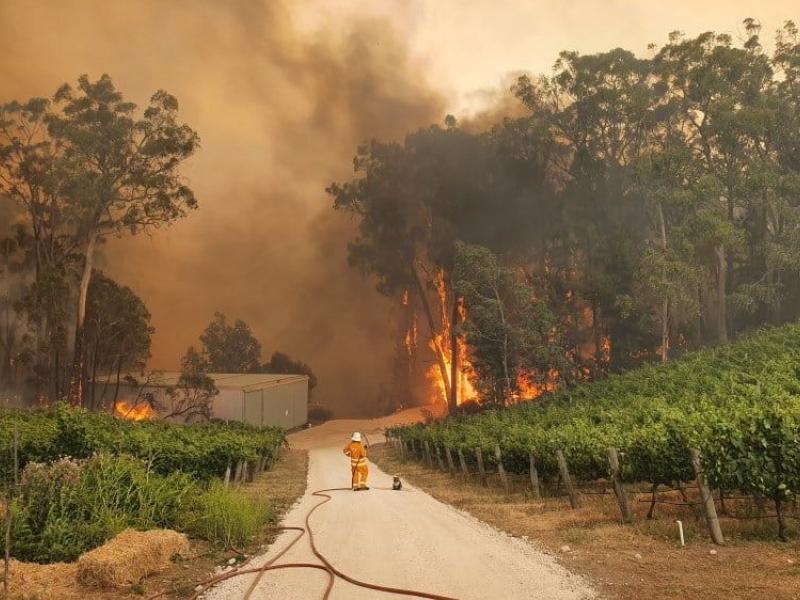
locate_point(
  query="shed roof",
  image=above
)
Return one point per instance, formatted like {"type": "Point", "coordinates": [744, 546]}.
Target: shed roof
{"type": "Point", "coordinates": [240, 381]}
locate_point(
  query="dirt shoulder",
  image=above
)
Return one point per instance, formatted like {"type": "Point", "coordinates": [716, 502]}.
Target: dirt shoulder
{"type": "Point", "coordinates": [626, 562]}
{"type": "Point", "coordinates": [280, 487]}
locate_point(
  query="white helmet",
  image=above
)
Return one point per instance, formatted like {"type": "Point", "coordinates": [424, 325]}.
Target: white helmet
{"type": "Point", "coordinates": [356, 437]}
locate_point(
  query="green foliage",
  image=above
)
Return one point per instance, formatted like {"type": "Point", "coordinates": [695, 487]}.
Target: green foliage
{"type": "Point", "coordinates": [738, 404]}
{"type": "Point", "coordinates": [202, 450]}
{"type": "Point", "coordinates": [230, 348]}
{"type": "Point", "coordinates": [226, 516]}
{"type": "Point", "coordinates": [68, 507]}
{"type": "Point", "coordinates": [509, 330]}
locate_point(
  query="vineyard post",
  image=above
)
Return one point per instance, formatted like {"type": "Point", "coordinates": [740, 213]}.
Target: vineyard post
{"type": "Point", "coordinates": [537, 492]}
{"type": "Point", "coordinates": [402, 451]}
{"type": "Point", "coordinates": [708, 499]}
{"type": "Point", "coordinates": [450, 466]}
{"type": "Point", "coordinates": [11, 493]}
{"type": "Point", "coordinates": [565, 477]}
{"type": "Point", "coordinates": [501, 470]}
{"type": "Point", "coordinates": [238, 473]}
{"type": "Point", "coordinates": [227, 478]}
{"type": "Point", "coordinates": [619, 490]}
{"type": "Point", "coordinates": [428, 459]}
{"type": "Point", "coordinates": [463, 463]}
{"type": "Point", "coordinates": [439, 460]}
{"type": "Point", "coordinates": [413, 450]}
{"type": "Point", "coordinates": [481, 471]}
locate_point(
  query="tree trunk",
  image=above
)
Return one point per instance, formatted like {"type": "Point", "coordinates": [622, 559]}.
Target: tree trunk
{"type": "Point", "coordinates": [438, 351]}
{"type": "Point", "coordinates": [116, 389]}
{"type": "Point", "coordinates": [92, 393]}
{"type": "Point", "coordinates": [506, 374]}
{"type": "Point", "coordinates": [722, 312]}
{"type": "Point", "coordinates": [454, 355]}
{"type": "Point", "coordinates": [665, 300]}
{"type": "Point", "coordinates": [78, 360]}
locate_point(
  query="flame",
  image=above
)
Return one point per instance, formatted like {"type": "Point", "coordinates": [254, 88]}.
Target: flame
{"type": "Point", "coordinates": [529, 387]}
{"type": "Point", "coordinates": [134, 412]}
{"type": "Point", "coordinates": [466, 390]}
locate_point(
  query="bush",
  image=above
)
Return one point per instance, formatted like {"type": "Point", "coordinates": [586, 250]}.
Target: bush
{"type": "Point", "coordinates": [202, 450]}
{"type": "Point", "coordinates": [69, 506]}
{"type": "Point", "coordinates": [227, 516]}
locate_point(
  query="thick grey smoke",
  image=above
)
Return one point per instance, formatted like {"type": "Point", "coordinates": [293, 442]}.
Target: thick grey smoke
{"type": "Point", "coordinates": [279, 113]}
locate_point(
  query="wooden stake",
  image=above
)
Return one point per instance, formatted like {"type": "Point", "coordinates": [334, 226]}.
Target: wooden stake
{"type": "Point", "coordinates": [439, 460]}
{"type": "Point", "coordinates": [481, 471]}
{"type": "Point", "coordinates": [450, 466]}
{"type": "Point", "coordinates": [500, 468]}
{"type": "Point", "coordinates": [619, 491]}
{"type": "Point", "coordinates": [428, 459]}
{"type": "Point", "coordinates": [537, 491]}
{"type": "Point", "coordinates": [463, 463]}
{"type": "Point", "coordinates": [565, 477]}
{"type": "Point", "coordinates": [227, 478]}
{"type": "Point", "coordinates": [402, 451]}
{"type": "Point", "coordinates": [708, 500]}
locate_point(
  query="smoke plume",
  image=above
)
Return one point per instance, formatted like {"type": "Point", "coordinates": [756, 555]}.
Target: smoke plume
{"type": "Point", "coordinates": [280, 112]}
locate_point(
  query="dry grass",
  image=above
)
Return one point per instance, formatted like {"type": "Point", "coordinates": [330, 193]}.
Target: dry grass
{"type": "Point", "coordinates": [281, 487]}
{"type": "Point", "coordinates": [627, 562]}
{"type": "Point", "coordinates": [131, 556]}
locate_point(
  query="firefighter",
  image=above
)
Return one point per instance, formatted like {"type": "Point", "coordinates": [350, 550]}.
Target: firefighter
{"type": "Point", "coordinates": [358, 462]}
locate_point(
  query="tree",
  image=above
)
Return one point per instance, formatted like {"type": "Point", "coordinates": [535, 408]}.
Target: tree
{"type": "Point", "coordinates": [192, 396]}
{"type": "Point", "coordinates": [123, 174]}
{"type": "Point", "coordinates": [283, 363]}
{"type": "Point", "coordinates": [34, 179]}
{"type": "Point", "coordinates": [118, 333]}
{"type": "Point", "coordinates": [512, 334]}
{"type": "Point", "coordinates": [230, 348]}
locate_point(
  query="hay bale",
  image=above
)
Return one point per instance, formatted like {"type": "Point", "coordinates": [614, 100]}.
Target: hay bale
{"type": "Point", "coordinates": [31, 581]}
{"type": "Point", "coordinates": [130, 556]}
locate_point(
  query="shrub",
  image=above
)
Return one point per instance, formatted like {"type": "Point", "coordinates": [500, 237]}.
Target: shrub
{"type": "Point", "coordinates": [202, 450]}
{"type": "Point", "coordinates": [227, 516]}
{"type": "Point", "coordinates": [69, 506]}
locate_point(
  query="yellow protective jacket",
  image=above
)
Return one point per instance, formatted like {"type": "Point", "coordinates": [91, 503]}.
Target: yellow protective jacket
{"type": "Point", "coordinates": [357, 453]}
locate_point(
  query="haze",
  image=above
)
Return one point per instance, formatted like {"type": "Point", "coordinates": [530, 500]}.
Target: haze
{"type": "Point", "coordinates": [281, 93]}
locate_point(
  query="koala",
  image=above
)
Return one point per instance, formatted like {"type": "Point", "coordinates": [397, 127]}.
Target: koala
{"type": "Point", "coordinates": [396, 483]}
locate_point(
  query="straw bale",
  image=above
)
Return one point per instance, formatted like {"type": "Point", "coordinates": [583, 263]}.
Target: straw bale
{"type": "Point", "coordinates": [130, 556]}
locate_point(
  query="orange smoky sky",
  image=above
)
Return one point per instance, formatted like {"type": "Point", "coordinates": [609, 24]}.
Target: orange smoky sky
{"type": "Point", "coordinates": [281, 93]}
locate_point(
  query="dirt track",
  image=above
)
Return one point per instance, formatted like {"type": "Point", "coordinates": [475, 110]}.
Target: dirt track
{"type": "Point", "coordinates": [400, 539]}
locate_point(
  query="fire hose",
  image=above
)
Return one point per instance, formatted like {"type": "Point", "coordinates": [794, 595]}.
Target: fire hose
{"type": "Point", "coordinates": [326, 566]}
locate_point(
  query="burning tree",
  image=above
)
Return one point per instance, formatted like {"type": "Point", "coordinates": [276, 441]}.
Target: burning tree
{"type": "Point", "coordinates": [514, 338]}
{"type": "Point", "coordinates": [413, 202]}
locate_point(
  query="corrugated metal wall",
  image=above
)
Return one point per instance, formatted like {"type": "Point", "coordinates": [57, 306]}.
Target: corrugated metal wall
{"type": "Point", "coordinates": [283, 405]}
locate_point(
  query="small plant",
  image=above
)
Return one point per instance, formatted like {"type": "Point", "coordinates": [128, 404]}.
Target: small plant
{"type": "Point", "coordinates": [227, 516]}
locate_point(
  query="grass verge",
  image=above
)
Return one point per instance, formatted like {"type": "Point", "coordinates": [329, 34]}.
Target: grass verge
{"type": "Point", "coordinates": [625, 562]}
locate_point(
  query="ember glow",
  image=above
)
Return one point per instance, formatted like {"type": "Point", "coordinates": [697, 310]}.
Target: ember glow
{"type": "Point", "coordinates": [134, 412]}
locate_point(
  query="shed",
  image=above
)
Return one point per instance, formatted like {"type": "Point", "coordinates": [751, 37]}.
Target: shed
{"type": "Point", "coordinates": [259, 399]}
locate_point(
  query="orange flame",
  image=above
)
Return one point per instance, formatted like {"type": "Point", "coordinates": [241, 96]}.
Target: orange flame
{"type": "Point", "coordinates": [466, 390]}
{"type": "Point", "coordinates": [134, 412]}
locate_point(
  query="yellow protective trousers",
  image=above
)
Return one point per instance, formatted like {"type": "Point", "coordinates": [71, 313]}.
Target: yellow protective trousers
{"type": "Point", "coordinates": [360, 473]}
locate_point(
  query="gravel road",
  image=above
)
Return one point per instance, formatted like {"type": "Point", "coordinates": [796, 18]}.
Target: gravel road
{"type": "Point", "coordinates": [402, 539]}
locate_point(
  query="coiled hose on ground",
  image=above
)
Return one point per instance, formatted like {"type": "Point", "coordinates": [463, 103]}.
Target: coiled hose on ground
{"type": "Point", "coordinates": [326, 566]}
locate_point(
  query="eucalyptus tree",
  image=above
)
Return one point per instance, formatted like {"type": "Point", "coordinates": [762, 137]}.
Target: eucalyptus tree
{"type": "Point", "coordinates": [124, 174]}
